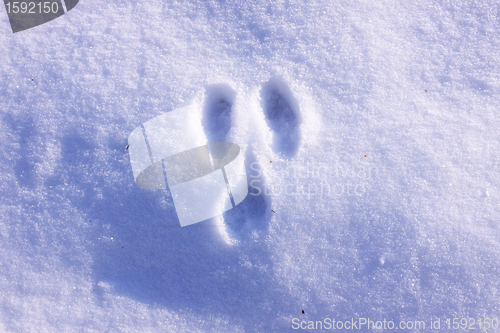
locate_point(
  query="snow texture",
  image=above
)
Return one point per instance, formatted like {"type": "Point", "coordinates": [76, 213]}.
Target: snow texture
{"type": "Point", "coordinates": [370, 129]}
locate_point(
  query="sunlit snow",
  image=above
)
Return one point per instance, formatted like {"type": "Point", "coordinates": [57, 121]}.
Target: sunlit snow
{"type": "Point", "coordinates": [370, 133]}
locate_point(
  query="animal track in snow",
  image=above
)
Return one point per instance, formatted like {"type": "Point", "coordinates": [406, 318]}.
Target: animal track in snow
{"type": "Point", "coordinates": [282, 113]}
{"type": "Point", "coordinates": [217, 111]}
{"type": "Point", "coordinates": [279, 110]}
{"type": "Point", "coordinates": [266, 123]}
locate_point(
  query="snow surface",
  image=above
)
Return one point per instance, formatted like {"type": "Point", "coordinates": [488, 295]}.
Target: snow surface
{"type": "Point", "coordinates": [312, 86]}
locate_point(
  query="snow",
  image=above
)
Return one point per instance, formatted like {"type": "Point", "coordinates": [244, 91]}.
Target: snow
{"type": "Point", "coordinates": [394, 102]}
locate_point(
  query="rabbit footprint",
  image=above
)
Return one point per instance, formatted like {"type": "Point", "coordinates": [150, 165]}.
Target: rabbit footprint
{"type": "Point", "coordinates": [282, 115]}
{"type": "Point", "coordinates": [281, 110]}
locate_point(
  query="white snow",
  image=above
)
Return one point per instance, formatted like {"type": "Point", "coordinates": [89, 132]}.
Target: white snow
{"type": "Point", "coordinates": [312, 86]}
